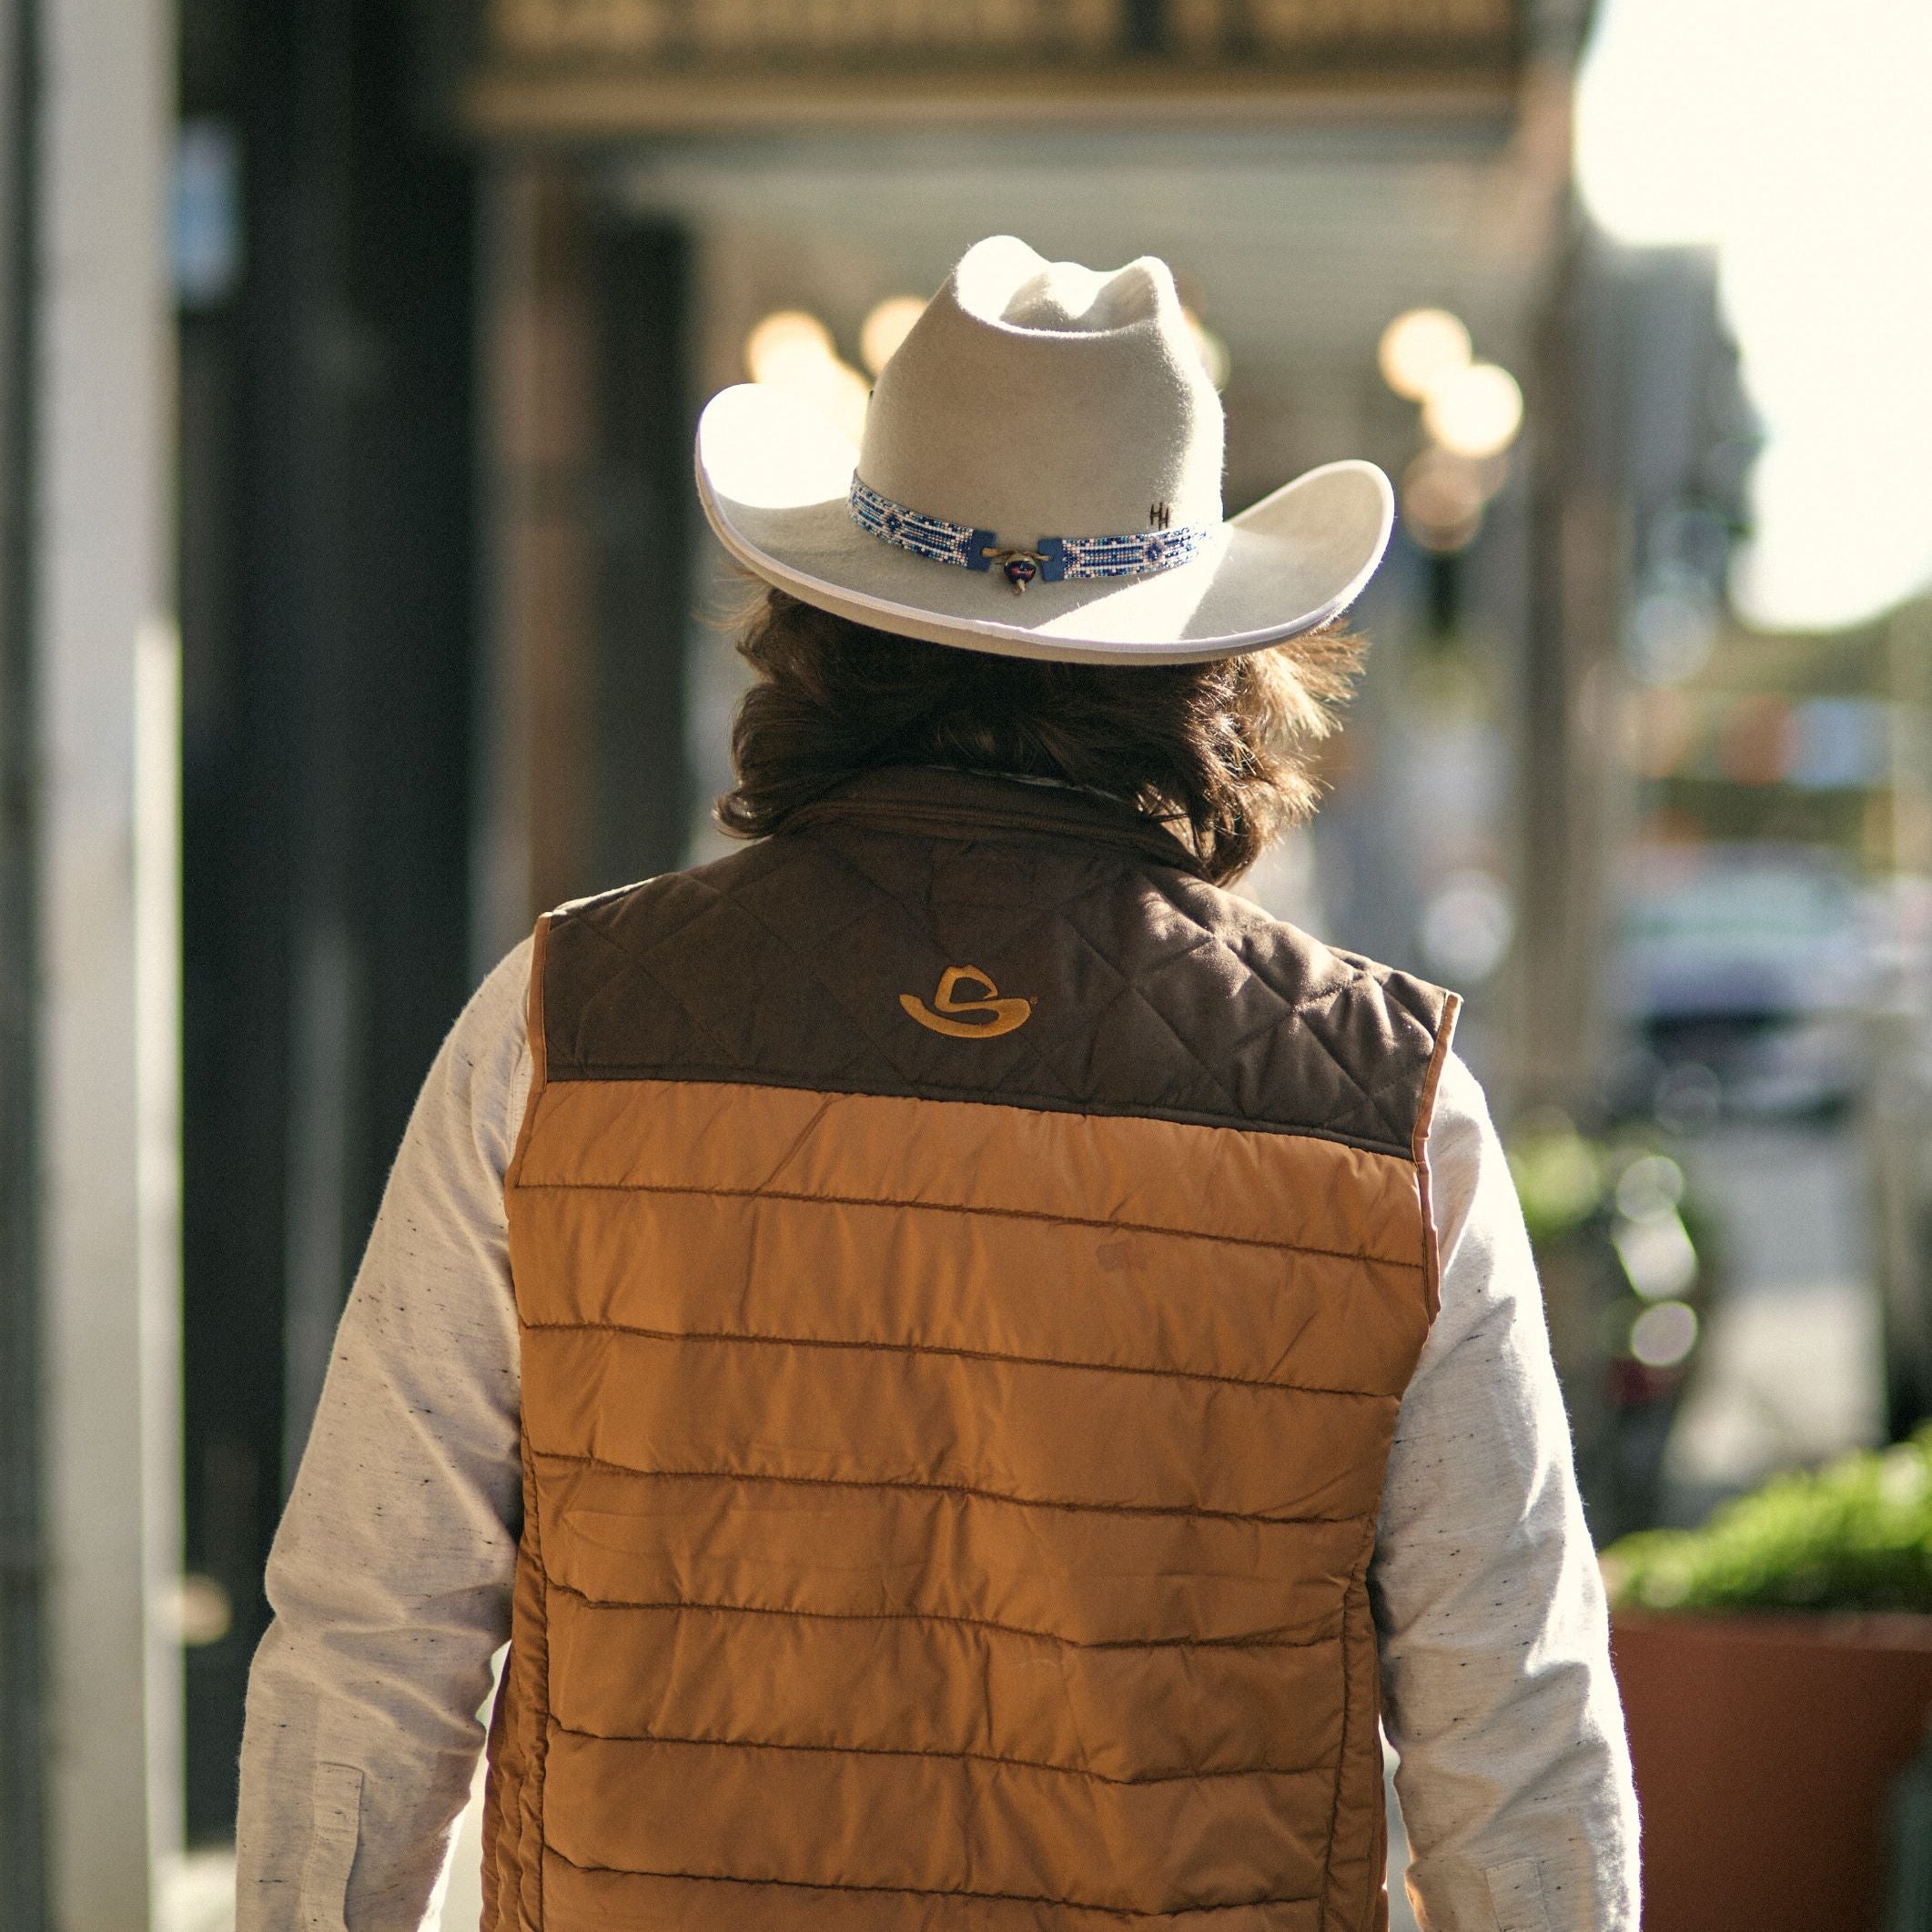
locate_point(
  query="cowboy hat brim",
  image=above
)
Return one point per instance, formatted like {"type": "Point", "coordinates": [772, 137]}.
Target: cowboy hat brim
{"type": "Point", "coordinates": [774, 476]}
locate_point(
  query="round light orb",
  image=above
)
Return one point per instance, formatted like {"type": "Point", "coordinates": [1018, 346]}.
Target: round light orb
{"type": "Point", "coordinates": [786, 345]}
{"type": "Point", "coordinates": [198, 1610]}
{"type": "Point", "coordinates": [1467, 925]}
{"type": "Point", "coordinates": [1657, 1255]}
{"type": "Point", "coordinates": [1649, 1186]}
{"type": "Point", "coordinates": [1442, 501]}
{"type": "Point", "coordinates": [1663, 1334]}
{"type": "Point", "coordinates": [794, 351]}
{"type": "Point", "coordinates": [888, 325]}
{"type": "Point", "coordinates": [1476, 412]}
{"type": "Point", "coordinates": [1419, 348]}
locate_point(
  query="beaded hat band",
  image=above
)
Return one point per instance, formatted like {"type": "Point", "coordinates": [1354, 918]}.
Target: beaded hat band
{"type": "Point", "coordinates": [1050, 559]}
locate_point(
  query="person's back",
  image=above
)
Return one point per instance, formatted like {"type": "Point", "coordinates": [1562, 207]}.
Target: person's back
{"type": "Point", "coordinates": [973, 1367]}
{"type": "Point", "coordinates": [1010, 1251]}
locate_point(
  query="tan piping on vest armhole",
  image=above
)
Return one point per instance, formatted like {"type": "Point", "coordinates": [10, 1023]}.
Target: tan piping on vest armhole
{"type": "Point", "coordinates": [538, 1051]}
{"type": "Point", "coordinates": [1419, 1147]}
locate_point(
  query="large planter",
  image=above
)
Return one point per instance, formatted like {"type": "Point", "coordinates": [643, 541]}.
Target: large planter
{"type": "Point", "coordinates": [1765, 1747]}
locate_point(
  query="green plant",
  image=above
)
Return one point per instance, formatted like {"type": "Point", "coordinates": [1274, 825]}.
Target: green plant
{"type": "Point", "coordinates": [1559, 1175]}
{"type": "Point", "coordinates": [1854, 1535]}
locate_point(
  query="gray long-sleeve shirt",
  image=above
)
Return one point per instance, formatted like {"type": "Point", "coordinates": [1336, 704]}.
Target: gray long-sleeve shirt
{"type": "Point", "coordinates": [391, 1575]}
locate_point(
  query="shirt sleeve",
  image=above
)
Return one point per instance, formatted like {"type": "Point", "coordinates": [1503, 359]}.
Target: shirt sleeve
{"type": "Point", "coordinates": [1514, 1778]}
{"type": "Point", "coordinates": [391, 1573]}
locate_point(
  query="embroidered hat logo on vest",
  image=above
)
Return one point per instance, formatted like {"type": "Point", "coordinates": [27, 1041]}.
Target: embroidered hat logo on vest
{"type": "Point", "coordinates": [1002, 1016]}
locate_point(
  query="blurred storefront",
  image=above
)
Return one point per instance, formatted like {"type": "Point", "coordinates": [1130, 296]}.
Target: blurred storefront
{"type": "Point", "coordinates": [1774, 963]}
{"type": "Point", "coordinates": [326, 292]}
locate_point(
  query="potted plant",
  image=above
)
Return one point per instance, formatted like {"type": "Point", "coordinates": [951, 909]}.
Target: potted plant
{"type": "Point", "coordinates": [1777, 1671]}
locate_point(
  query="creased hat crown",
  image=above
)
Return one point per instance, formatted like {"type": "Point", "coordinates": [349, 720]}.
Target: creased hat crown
{"type": "Point", "coordinates": [1042, 399]}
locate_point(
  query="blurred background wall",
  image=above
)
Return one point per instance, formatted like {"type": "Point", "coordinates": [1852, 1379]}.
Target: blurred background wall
{"type": "Point", "coordinates": [423, 303]}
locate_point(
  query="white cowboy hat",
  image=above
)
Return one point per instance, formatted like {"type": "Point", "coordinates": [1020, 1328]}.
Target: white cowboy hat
{"type": "Point", "coordinates": [1040, 477]}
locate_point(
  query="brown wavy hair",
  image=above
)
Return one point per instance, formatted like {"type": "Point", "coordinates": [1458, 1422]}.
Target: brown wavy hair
{"type": "Point", "coordinates": [1221, 752]}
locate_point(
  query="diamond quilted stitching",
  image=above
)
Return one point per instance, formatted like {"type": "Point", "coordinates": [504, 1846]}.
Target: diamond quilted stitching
{"type": "Point", "coordinates": [787, 959]}
{"type": "Point", "coordinates": [1303, 1012]}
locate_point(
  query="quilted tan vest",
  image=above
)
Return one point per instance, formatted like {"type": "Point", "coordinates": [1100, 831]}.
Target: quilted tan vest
{"type": "Point", "coordinates": [968, 1266]}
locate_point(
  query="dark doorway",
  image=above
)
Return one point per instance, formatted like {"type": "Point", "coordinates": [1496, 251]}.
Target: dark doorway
{"type": "Point", "coordinates": [326, 572]}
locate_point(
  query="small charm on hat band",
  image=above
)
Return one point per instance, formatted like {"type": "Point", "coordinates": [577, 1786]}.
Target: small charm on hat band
{"type": "Point", "coordinates": [1019, 567]}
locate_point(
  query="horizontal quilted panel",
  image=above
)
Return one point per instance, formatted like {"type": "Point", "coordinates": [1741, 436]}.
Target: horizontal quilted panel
{"type": "Point", "coordinates": [580, 1900]}
{"type": "Point", "coordinates": [930, 1824]}
{"type": "Point", "coordinates": [672, 1263]}
{"type": "Point", "coordinates": [928, 1685]}
{"type": "Point", "coordinates": [1021, 1430]}
{"type": "Point", "coordinates": [1084, 1577]}
{"type": "Point", "coordinates": [1152, 992]}
{"type": "Point", "coordinates": [1222, 1186]}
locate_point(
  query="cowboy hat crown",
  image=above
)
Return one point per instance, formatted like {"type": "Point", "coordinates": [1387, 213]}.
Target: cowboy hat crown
{"type": "Point", "coordinates": [1042, 399]}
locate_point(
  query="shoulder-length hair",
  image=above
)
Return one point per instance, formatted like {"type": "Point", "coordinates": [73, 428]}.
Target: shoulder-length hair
{"type": "Point", "coordinates": [1221, 752]}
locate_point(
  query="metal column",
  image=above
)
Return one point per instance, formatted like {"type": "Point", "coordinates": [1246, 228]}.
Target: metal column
{"type": "Point", "coordinates": [90, 940]}
{"type": "Point", "coordinates": [22, 1896]}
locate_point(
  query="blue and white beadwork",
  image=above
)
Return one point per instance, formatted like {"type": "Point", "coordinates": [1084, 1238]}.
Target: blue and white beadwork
{"type": "Point", "coordinates": [924, 536]}
{"type": "Point", "coordinates": [1049, 559]}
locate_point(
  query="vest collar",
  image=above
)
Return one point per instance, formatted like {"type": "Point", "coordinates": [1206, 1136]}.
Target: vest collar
{"type": "Point", "coordinates": [940, 802]}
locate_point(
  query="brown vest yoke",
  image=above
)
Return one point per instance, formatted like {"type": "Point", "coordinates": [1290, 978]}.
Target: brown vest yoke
{"type": "Point", "coordinates": [1157, 995]}
{"type": "Point", "coordinates": [968, 1266]}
